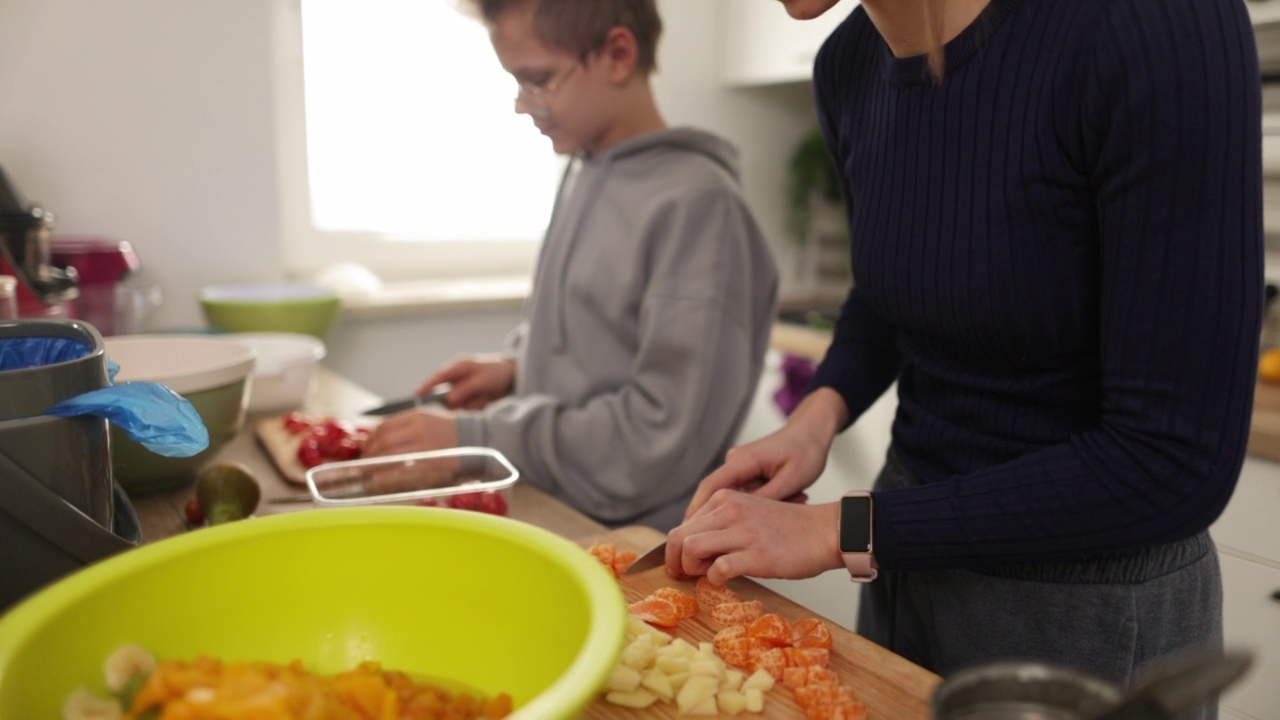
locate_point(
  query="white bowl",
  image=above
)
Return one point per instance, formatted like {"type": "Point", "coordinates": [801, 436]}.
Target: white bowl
{"type": "Point", "coordinates": [286, 366]}
{"type": "Point", "coordinates": [183, 363]}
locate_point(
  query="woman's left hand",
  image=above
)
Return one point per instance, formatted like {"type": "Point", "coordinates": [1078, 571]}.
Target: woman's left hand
{"type": "Point", "coordinates": [737, 533]}
{"type": "Point", "coordinates": [415, 430]}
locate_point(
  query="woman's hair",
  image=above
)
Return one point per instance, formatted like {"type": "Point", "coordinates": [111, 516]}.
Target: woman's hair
{"type": "Point", "coordinates": [582, 26]}
{"type": "Point", "coordinates": [937, 61]}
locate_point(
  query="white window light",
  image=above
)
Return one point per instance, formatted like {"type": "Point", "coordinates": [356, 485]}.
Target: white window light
{"type": "Point", "coordinates": [400, 148]}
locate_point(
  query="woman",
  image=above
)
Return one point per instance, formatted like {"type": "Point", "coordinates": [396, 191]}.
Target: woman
{"type": "Point", "coordinates": [1055, 208]}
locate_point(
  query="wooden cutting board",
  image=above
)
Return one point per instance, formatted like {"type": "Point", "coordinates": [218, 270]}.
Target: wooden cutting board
{"type": "Point", "coordinates": [892, 687]}
{"type": "Point", "coordinates": [1264, 432]}
{"type": "Point", "coordinates": [282, 447]}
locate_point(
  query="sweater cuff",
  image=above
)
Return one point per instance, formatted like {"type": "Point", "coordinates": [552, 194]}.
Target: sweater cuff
{"type": "Point", "coordinates": [472, 432]}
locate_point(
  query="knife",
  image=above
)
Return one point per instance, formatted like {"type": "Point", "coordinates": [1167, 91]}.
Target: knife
{"type": "Point", "coordinates": [652, 559]}
{"type": "Point", "coordinates": [434, 397]}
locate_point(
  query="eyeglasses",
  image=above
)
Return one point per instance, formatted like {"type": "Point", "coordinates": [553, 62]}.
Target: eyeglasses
{"type": "Point", "coordinates": [536, 94]}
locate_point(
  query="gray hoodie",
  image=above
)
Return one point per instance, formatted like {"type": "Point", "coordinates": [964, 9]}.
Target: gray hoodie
{"type": "Point", "coordinates": [644, 335]}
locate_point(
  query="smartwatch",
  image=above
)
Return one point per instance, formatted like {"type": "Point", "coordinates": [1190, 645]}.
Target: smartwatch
{"type": "Point", "coordinates": [855, 535]}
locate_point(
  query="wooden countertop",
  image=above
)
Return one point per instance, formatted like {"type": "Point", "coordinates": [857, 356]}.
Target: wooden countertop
{"type": "Point", "coordinates": [160, 514]}
{"type": "Point", "coordinates": [893, 688]}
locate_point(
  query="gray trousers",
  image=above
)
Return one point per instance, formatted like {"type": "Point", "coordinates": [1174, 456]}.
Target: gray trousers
{"type": "Point", "coordinates": [1112, 617]}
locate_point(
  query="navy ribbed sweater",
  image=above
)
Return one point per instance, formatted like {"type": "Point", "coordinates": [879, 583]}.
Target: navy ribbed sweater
{"type": "Point", "coordinates": [1057, 255]}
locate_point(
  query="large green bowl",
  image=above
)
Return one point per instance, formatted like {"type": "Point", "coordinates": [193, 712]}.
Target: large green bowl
{"type": "Point", "coordinates": [488, 602]}
{"type": "Point", "coordinates": [214, 374]}
{"type": "Point", "coordinates": [284, 307]}
{"type": "Point", "coordinates": [140, 471]}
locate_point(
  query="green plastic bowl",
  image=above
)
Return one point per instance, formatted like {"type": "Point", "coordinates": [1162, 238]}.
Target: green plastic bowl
{"type": "Point", "coordinates": [284, 307]}
{"type": "Point", "coordinates": [214, 374]}
{"type": "Point", "coordinates": [488, 602]}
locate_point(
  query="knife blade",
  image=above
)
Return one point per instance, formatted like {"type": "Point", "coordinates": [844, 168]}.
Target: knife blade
{"type": "Point", "coordinates": [653, 558]}
{"type": "Point", "coordinates": [434, 397]}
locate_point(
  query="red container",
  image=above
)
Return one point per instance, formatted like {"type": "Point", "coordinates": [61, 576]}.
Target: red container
{"type": "Point", "coordinates": [101, 264]}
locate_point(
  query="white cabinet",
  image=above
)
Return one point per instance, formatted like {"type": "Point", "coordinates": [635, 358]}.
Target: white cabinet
{"type": "Point", "coordinates": [1248, 540]}
{"type": "Point", "coordinates": [761, 45]}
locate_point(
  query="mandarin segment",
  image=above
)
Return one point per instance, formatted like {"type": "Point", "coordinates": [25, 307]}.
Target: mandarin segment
{"type": "Point", "coordinates": [686, 604]}
{"type": "Point", "coordinates": [807, 657]}
{"type": "Point", "coordinates": [622, 560]}
{"type": "Point", "coordinates": [810, 632]}
{"type": "Point", "coordinates": [655, 611]}
{"type": "Point", "coordinates": [773, 661]}
{"type": "Point", "coordinates": [771, 628]}
{"type": "Point", "coordinates": [808, 695]}
{"type": "Point", "coordinates": [710, 594]}
{"type": "Point", "coordinates": [737, 613]}
{"type": "Point", "coordinates": [837, 711]}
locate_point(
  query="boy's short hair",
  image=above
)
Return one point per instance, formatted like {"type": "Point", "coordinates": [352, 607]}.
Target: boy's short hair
{"type": "Point", "coordinates": [581, 26]}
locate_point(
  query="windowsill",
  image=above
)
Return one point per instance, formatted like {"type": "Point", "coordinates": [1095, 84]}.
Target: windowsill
{"type": "Point", "coordinates": [437, 297]}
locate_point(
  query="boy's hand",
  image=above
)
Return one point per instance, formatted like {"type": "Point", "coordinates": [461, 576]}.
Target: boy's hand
{"type": "Point", "coordinates": [477, 381]}
{"type": "Point", "coordinates": [415, 430]}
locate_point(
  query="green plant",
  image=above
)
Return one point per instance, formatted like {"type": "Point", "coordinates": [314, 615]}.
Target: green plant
{"type": "Point", "coordinates": [810, 173]}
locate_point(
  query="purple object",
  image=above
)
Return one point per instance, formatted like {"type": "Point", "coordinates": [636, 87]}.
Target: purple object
{"type": "Point", "coordinates": [796, 374]}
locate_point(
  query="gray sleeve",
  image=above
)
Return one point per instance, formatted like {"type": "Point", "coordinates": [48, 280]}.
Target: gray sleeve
{"type": "Point", "coordinates": [644, 444]}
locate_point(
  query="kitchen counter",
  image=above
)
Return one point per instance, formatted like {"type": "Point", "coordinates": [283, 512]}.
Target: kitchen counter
{"type": "Point", "coordinates": [894, 684]}
{"type": "Point", "coordinates": [160, 515]}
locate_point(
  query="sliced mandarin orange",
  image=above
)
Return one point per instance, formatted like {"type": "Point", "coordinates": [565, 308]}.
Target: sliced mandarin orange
{"type": "Point", "coordinates": [622, 560]}
{"type": "Point", "coordinates": [737, 613]}
{"type": "Point", "coordinates": [757, 647]}
{"type": "Point", "coordinates": [810, 632]}
{"type": "Point", "coordinates": [735, 652]}
{"type": "Point", "coordinates": [820, 676]}
{"type": "Point", "coordinates": [709, 594]}
{"type": "Point", "coordinates": [807, 695]}
{"type": "Point", "coordinates": [772, 661]}
{"type": "Point", "coordinates": [686, 604]}
{"type": "Point", "coordinates": [605, 552]}
{"type": "Point", "coordinates": [808, 657]}
{"type": "Point", "coordinates": [771, 628]}
{"type": "Point", "coordinates": [852, 710]}
{"type": "Point", "coordinates": [655, 611]}
{"type": "Point", "coordinates": [794, 677]}
{"type": "Point", "coordinates": [727, 633]}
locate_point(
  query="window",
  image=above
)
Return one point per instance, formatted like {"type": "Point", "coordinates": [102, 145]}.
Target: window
{"type": "Point", "coordinates": [400, 146]}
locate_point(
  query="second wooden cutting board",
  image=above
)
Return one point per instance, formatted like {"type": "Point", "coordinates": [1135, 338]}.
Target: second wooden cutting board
{"type": "Point", "coordinates": [892, 687]}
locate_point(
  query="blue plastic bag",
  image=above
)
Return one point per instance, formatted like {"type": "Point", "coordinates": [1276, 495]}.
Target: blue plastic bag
{"type": "Point", "coordinates": [161, 420]}
{"type": "Point", "coordinates": [28, 352]}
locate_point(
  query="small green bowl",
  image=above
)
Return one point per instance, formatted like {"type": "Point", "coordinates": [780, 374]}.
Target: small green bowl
{"type": "Point", "coordinates": [489, 603]}
{"type": "Point", "coordinates": [284, 307]}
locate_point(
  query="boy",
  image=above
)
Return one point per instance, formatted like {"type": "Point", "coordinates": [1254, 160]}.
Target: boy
{"type": "Point", "coordinates": [652, 298]}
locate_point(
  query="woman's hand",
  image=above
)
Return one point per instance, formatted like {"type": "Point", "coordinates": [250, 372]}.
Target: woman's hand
{"type": "Point", "coordinates": [477, 381]}
{"type": "Point", "coordinates": [415, 430]}
{"type": "Point", "coordinates": [783, 464]}
{"type": "Point", "coordinates": [738, 533]}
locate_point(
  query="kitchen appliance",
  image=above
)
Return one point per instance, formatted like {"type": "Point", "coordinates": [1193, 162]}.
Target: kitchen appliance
{"type": "Point", "coordinates": [102, 265]}
{"type": "Point", "coordinates": [43, 289]}
{"type": "Point", "coordinates": [60, 507]}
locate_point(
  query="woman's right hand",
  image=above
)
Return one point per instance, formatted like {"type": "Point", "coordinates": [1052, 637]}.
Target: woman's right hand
{"type": "Point", "coordinates": [784, 463]}
{"type": "Point", "coordinates": [476, 381]}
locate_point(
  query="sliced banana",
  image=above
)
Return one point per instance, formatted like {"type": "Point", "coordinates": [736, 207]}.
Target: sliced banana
{"type": "Point", "coordinates": [84, 705]}
{"type": "Point", "coordinates": [126, 662]}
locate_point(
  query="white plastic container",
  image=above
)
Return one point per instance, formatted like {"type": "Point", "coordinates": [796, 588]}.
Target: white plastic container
{"type": "Point", "coordinates": [286, 367]}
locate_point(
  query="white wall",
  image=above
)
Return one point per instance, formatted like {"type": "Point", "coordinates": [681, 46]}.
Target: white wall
{"type": "Point", "coordinates": [151, 121]}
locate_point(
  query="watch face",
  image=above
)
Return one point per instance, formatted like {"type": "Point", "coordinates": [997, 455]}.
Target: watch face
{"type": "Point", "coordinates": [855, 524]}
